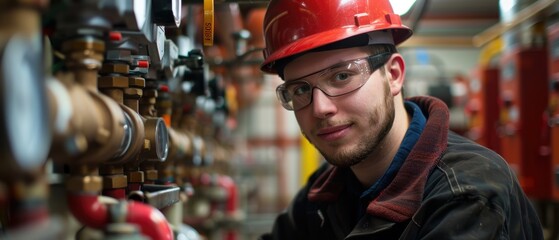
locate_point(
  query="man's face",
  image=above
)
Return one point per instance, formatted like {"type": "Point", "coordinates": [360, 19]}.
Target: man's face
{"type": "Point", "coordinates": [345, 129]}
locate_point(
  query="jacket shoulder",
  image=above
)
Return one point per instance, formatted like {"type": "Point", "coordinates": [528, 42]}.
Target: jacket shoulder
{"type": "Point", "coordinates": [468, 171]}
{"type": "Point", "coordinates": [468, 167]}
{"type": "Point", "coordinates": [473, 185]}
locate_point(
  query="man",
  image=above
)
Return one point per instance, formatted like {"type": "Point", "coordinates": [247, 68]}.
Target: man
{"type": "Point", "coordinates": [395, 170]}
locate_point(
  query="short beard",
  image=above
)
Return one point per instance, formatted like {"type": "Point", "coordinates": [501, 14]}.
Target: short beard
{"type": "Point", "coordinates": [370, 142]}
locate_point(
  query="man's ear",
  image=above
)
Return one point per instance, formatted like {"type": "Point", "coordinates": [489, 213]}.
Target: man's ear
{"type": "Point", "coordinates": [396, 73]}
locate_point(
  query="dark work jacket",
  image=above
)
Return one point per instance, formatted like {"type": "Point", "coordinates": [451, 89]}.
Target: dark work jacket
{"type": "Point", "coordinates": [448, 188]}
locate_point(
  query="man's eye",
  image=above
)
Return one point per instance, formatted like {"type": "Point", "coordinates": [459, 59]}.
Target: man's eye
{"type": "Point", "coordinates": [301, 90]}
{"type": "Point", "coordinates": [342, 76]}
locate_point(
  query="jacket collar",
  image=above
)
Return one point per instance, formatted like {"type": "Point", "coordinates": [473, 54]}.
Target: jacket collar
{"type": "Point", "coordinates": [402, 197]}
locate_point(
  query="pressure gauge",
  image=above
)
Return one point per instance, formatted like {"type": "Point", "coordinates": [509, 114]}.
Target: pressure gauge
{"type": "Point", "coordinates": [162, 140]}
{"type": "Point", "coordinates": [128, 135]}
{"type": "Point", "coordinates": [24, 121]}
{"type": "Point", "coordinates": [157, 136]}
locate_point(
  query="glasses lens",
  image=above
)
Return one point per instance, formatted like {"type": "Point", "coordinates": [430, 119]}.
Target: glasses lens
{"type": "Point", "coordinates": [334, 81]}
{"type": "Point", "coordinates": [294, 95]}
{"type": "Point", "coordinates": [341, 79]}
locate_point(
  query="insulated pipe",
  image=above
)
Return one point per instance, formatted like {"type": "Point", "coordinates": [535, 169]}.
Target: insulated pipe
{"type": "Point", "coordinates": [88, 210]}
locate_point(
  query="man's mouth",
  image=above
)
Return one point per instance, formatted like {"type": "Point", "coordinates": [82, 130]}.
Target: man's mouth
{"type": "Point", "coordinates": [333, 133]}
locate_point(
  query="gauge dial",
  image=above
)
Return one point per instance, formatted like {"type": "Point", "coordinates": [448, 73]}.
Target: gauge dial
{"type": "Point", "coordinates": [158, 136]}
{"type": "Point", "coordinates": [128, 136]}
{"type": "Point", "coordinates": [162, 140]}
{"type": "Point", "coordinates": [23, 106]}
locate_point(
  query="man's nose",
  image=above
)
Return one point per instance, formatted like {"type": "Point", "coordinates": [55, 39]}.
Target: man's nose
{"type": "Point", "coordinates": [322, 104]}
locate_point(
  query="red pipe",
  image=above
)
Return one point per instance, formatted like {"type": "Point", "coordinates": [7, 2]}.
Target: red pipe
{"type": "Point", "coordinates": [228, 184]}
{"type": "Point", "coordinates": [231, 205]}
{"type": "Point", "coordinates": [152, 222]}
{"type": "Point", "coordinates": [230, 235]}
{"type": "Point", "coordinates": [117, 193]}
{"type": "Point", "coordinates": [91, 212]}
{"type": "Point", "coordinates": [88, 210]}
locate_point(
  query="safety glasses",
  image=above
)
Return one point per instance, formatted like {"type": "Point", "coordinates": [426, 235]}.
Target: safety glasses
{"type": "Point", "coordinates": [334, 81]}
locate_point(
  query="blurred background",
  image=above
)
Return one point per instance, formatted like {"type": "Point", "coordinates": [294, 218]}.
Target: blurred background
{"type": "Point", "coordinates": [150, 119]}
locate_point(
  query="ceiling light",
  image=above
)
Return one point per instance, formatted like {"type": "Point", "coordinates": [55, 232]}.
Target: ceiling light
{"type": "Point", "coordinates": [401, 7]}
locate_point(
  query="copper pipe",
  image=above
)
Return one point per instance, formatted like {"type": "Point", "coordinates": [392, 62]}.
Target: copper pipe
{"type": "Point", "coordinates": [180, 147]}
{"type": "Point", "coordinates": [94, 132]}
{"type": "Point", "coordinates": [88, 127]}
{"type": "Point", "coordinates": [115, 84]}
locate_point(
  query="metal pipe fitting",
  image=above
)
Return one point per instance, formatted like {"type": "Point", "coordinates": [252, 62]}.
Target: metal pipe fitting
{"type": "Point", "coordinates": [89, 128]}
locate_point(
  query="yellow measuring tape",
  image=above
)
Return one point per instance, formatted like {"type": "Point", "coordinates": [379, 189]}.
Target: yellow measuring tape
{"type": "Point", "coordinates": [208, 22]}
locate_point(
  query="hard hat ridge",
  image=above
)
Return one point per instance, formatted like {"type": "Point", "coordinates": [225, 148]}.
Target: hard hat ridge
{"type": "Point", "coordinates": [294, 27]}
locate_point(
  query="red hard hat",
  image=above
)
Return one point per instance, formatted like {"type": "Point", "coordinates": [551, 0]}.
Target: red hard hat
{"type": "Point", "coordinates": [296, 26]}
